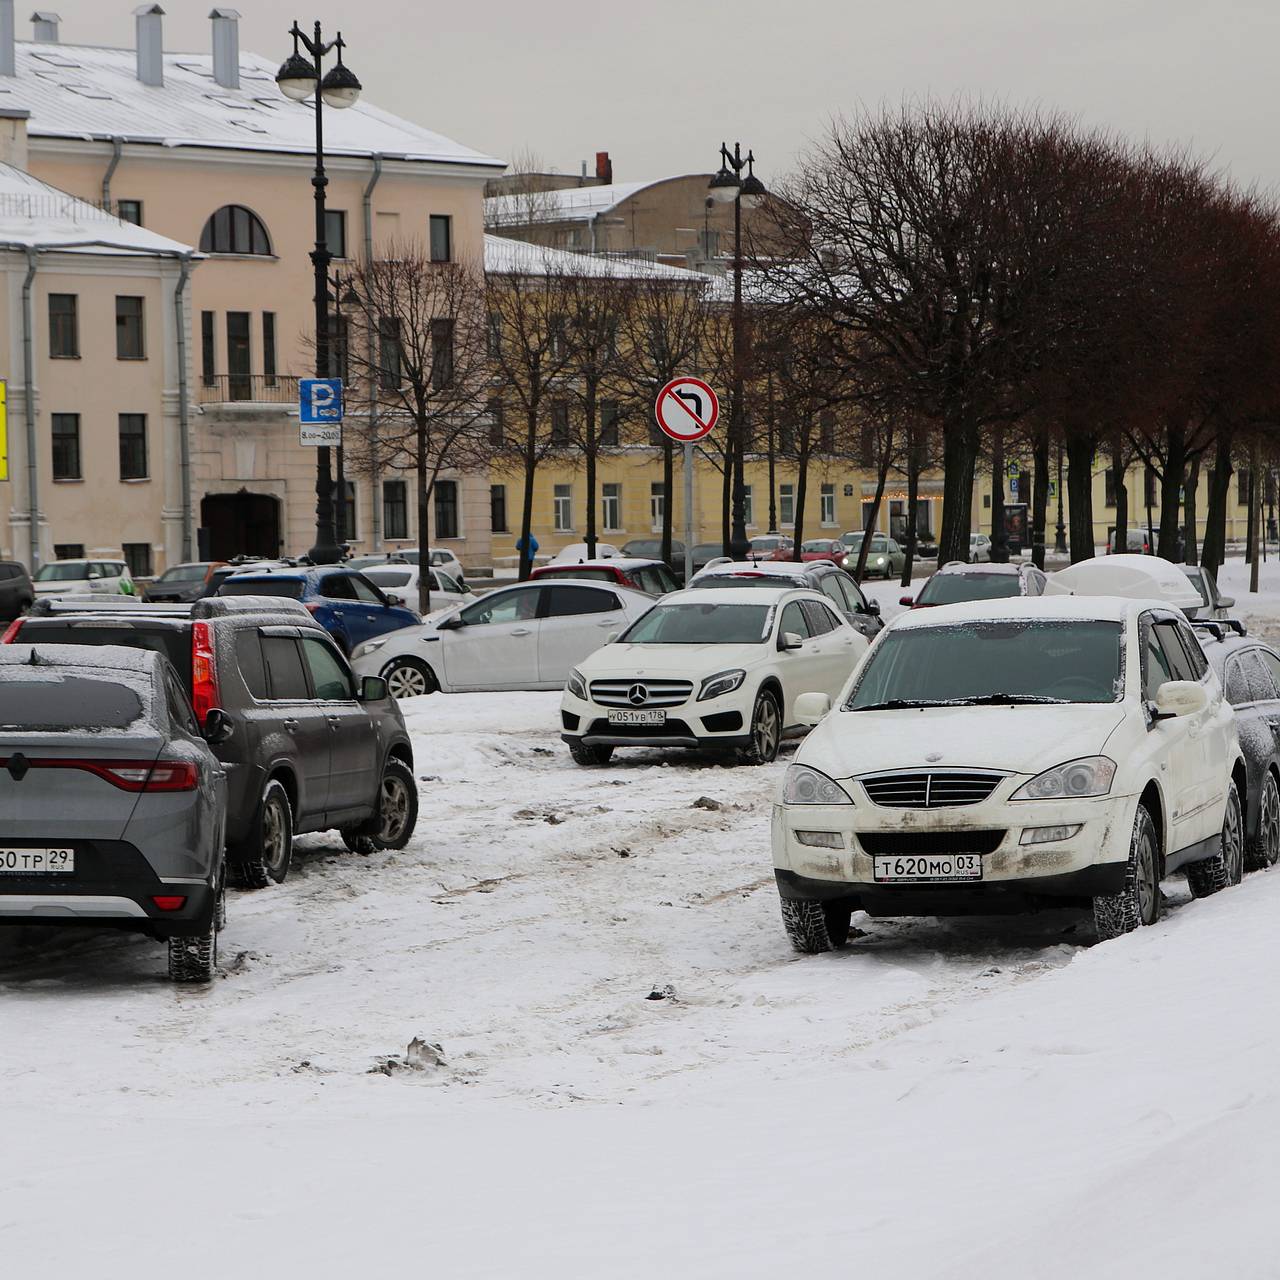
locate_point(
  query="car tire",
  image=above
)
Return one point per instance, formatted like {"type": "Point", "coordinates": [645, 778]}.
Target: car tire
{"type": "Point", "coordinates": [1226, 867]}
{"type": "Point", "coordinates": [267, 852]}
{"type": "Point", "coordinates": [1263, 850]}
{"type": "Point", "coordinates": [590, 757]}
{"type": "Point", "coordinates": [392, 825]}
{"type": "Point", "coordinates": [766, 730]}
{"type": "Point", "coordinates": [1138, 903]}
{"type": "Point", "coordinates": [814, 927]}
{"type": "Point", "coordinates": [409, 678]}
{"type": "Point", "coordinates": [194, 958]}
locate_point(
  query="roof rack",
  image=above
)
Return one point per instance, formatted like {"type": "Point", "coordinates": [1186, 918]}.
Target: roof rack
{"type": "Point", "coordinates": [46, 607]}
{"type": "Point", "coordinates": [1218, 627]}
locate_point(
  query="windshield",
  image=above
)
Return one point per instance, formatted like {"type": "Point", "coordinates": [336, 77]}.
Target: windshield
{"type": "Point", "coordinates": [66, 571]}
{"type": "Point", "coordinates": [701, 624]}
{"type": "Point", "coordinates": [184, 573]}
{"type": "Point", "coordinates": [285, 588]}
{"type": "Point", "coordinates": [765, 544]}
{"type": "Point", "coordinates": [822, 544]}
{"type": "Point", "coordinates": [951, 588]}
{"type": "Point", "coordinates": [1023, 660]}
{"type": "Point", "coordinates": [389, 577]}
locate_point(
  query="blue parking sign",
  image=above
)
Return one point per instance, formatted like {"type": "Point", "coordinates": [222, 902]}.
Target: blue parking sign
{"type": "Point", "coordinates": [320, 400]}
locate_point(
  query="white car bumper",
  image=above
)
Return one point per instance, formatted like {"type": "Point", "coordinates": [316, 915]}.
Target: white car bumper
{"type": "Point", "coordinates": [717, 722]}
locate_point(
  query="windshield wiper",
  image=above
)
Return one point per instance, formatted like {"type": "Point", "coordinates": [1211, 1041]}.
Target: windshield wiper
{"type": "Point", "coordinates": [900, 704]}
{"type": "Point", "coordinates": [1005, 700]}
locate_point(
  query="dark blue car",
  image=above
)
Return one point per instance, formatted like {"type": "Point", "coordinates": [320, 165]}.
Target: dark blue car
{"type": "Point", "coordinates": [349, 607]}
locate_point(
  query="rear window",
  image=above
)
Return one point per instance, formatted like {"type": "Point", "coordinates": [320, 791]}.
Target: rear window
{"type": "Point", "coordinates": [71, 571]}
{"type": "Point", "coordinates": [389, 577]}
{"type": "Point", "coordinates": [750, 580]}
{"type": "Point", "coordinates": [581, 575]}
{"type": "Point", "coordinates": [952, 588]}
{"type": "Point", "coordinates": [284, 588]}
{"type": "Point", "coordinates": [67, 702]}
{"type": "Point", "coordinates": [173, 642]}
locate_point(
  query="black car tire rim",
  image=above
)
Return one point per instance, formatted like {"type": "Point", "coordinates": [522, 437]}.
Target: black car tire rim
{"type": "Point", "coordinates": [275, 836]}
{"type": "Point", "coordinates": [1269, 822]}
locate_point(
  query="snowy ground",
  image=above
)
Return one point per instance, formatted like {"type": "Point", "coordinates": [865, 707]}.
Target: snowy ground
{"type": "Point", "coordinates": [980, 1099]}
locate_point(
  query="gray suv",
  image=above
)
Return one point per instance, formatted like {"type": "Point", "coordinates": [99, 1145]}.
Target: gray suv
{"type": "Point", "coordinates": [313, 749]}
{"type": "Point", "coordinates": [16, 591]}
{"type": "Point", "coordinates": [113, 805]}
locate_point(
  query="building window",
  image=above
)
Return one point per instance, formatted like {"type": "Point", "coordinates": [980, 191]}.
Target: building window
{"type": "Point", "coordinates": [208, 357]}
{"type": "Point", "coordinates": [1109, 485]}
{"type": "Point", "coordinates": [389, 353]}
{"type": "Point", "coordinates": [748, 510]}
{"type": "Point", "coordinates": [493, 335]}
{"type": "Point", "coordinates": [786, 504]}
{"type": "Point", "coordinates": [130, 340]}
{"type": "Point", "coordinates": [827, 504]}
{"type": "Point", "coordinates": [269, 348]}
{"type": "Point", "coordinates": [348, 527]}
{"type": "Point", "coordinates": [64, 326]}
{"type": "Point", "coordinates": [239, 357]}
{"type": "Point", "coordinates": [129, 211]}
{"type": "Point", "coordinates": [562, 507]}
{"type": "Point", "coordinates": [66, 447]}
{"type": "Point", "coordinates": [1149, 488]}
{"type": "Point", "coordinates": [498, 508]}
{"type": "Point", "coordinates": [234, 229]}
{"type": "Point", "coordinates": [441, 354]}
{"type": "Point", "coordinates": [611, 507]}
{"type": "Point", "coordinates": [441, 238]}
{"type": "Point", "coordinates": [497, 434]}
{"type": "Point", "coordinates": [133, 446]}
{"type": "Point", "coordinates": [68, 550]}
{"type": "Point", "coordinates": [560, 423]}
{"type": "Point", "coordinates": [446, 494]}
{"type": "Point", "coordinates": [395, 509]}
{"type": "Point", "coordinates": [556, 337]}
{"type": "Point", "coordinates": [137, 555]}
{"type": "Point", "coordinates": [657, 504]}
{"type": "Point", "coordinates": [335, 232]}
{"type": "Point", "coordinates": [609, 419]}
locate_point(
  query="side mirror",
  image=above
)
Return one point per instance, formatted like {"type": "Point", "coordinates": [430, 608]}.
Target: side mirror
{"type": "Point", "coordinates": [612, 636]}
{"type": "Point", "coordinates": [1180, 698]}
{"type": "Point", "coordinates": [450, 624]}
{"type": "Point", "coordinates": [811, 707]}
{"type": "Point", "coordinates": [789, 640]}
{"type": "Point", "coordinates": [373, 689]}
{"type": "Point", "coordinates": [1226, 602]}
{"type": "Point", "coordinates": [909, 601]}
{"type": "Point", "coordinates": [396, 601]}
{"type": "Point", "coordinates": [873, 608]}
{"type": "Point", "coordinates": [218, 727]}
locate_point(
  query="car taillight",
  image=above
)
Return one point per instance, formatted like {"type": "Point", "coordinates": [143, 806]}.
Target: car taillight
{"type": "Point", "coordinates": [168, 901]}
{"type": "Point", "coordinates": [130, 775]}
{"type": "Point", "coordinates": [11, 631]}
{"type": "Point", "coordinates": [312, 607]}
{"type": "Point", "coordinates": [204, 675]}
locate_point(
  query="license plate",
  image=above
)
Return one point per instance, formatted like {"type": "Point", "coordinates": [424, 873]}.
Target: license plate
{"type": "Point", "coordinates": [909, 868]}
{"type": "Point", "coordinates": [37, 862]}
{"type": "Point", "coordinates": [637, 717]}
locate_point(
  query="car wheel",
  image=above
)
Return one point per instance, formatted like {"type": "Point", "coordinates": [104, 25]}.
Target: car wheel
{"type": "Point", "coordinates": [396, 816]}
{"type": "Point", "coordinates": [1226, 867]}
{"type": "Point", "coordinates": [409, 678]}
{"type": "Point", "coordinates": [1264, 848]}
{"type": "Point", "coordinates": [766, 730]}
{"type": "Point", "coordinates": [268, 850]}
{"type": "Point", "coordinates": [590, 756]}
{"type": "Point", "coordinates": [1138, 903]}
{"type": "Point", "coordinates": [814, 927]}
{"type": "Point", "coordinates": [194, 958]}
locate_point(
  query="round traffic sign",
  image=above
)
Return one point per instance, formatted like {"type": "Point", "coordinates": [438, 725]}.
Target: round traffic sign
{"type": "Point", "coordinates": [687, 409]}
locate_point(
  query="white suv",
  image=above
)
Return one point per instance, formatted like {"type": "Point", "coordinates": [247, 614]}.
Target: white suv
{"type": "Point", "coordinates": [1009, 754]}
{"type": "Point", "coordinates": [713, 668]}
{"type": "Point", "coordinates": [83, 577]}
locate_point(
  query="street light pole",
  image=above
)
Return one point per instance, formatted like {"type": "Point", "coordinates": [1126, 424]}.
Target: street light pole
{"type": "Point", "coordinates": [298, 79]}
{"type": "Point", "coordinates": [1060, 541]}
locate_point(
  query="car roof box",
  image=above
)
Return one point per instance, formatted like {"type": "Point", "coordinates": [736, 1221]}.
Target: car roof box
{"type": "Point", "coordinates": [1133, 577]}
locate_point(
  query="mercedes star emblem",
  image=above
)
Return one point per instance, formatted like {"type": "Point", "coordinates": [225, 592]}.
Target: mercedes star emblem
{"type": "Point", "coordinates": [637, 695]}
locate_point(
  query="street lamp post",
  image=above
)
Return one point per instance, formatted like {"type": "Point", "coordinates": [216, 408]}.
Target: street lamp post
{"type": "Point", "coordinates": [299, 78]}
{"type": "Point", "coordinates": [729, 184]}
{"type": "Point", "coordinates": [1060, 541]}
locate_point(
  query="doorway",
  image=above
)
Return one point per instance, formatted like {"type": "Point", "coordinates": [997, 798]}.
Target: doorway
{"type": "Point", "coordinates": [239, 524]}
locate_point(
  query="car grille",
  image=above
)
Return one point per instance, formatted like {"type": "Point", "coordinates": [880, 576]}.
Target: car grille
{"type": "Point", "coordinates": [897, 842]}
{"type": "Point", "coordinates": [657, 693]}
{"type": "Point", "coordinates": [670, 729]}
{"type": "Point", "coordinates": [930, 789]}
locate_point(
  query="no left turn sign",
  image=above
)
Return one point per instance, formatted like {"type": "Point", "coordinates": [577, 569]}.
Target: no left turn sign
{"type": "Point", "coordinates": [687, 409]}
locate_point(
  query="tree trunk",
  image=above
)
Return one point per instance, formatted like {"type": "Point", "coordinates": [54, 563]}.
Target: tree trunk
{"type": "Point", "coordinates": [1175, 463]}
{"type": "Point", "coordinates": [526, 512]}
{"type": "Point", "coordinates": [592, 443]}
{"type": "Point", "coordinates": [802, 488]}
{"type": "Point", "coordinates": [726, 500]}
{"type": "Point", "coordinates": [873, 515]}
{"type": "Point", "coordinates": [1192, 535]}
{"type": "Point", "coordinates": [999, 535]}
{"type": "Point", "coordinates": [668, 507]}
{"type": "Point", "coordinates": [1249, 531]}
{"type": "Point", "coordinates": [773, 488]}
{"type": "Point", "coordinates": [1080, 451]}
{"type": "Point", "coordinates": [959, 454]}
{"type": "Point", "coordinates": [1040, 497]}
{"type": "Point", "coordinates": [1120, 539]}
{"type": "Point", "coordinates": [1255, 514]}
{"type": "Point", "coordinates": [913, 499]}
{"type": "Point", "coordinates": [424, 531]}
{"type": "Point", "coordinates": [1214, 550]}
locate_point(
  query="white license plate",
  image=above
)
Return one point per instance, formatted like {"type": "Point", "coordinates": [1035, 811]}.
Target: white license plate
{"type": "Point", "coordinates": [637, 717]}
{"type": "Point", "coordinates": [37, 862]}
{"type": "Point", "coordinates": [908, 868]}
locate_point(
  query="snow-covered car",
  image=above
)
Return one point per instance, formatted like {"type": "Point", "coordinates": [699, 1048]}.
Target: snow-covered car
{"type": "Point", "coordinates": [526, 636]}
{"type": "Point", "coordinates": [653, 577]}
{"type": "Point", "coordinates": [577, 553]}
{"type": "Point", "coordinates": [1007, 754]}
{"type": "Point", "coordinates": [439, 557]}
{"type": "Point", "coordinates": [709, 668]}
{"type": "Point", "coordinates": [957, 582]}
{"type": "Point", "coordinates": [83, 577]}
{"type": "Point", "coordinates": [399, 582]}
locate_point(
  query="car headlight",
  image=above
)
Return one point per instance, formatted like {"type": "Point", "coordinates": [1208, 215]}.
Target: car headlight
{"type": "Point", "coordinates": [879, 559]}
{"type": "Point", "coordinates": [721, 683]}
{"type": "Point", "coordinates": [369, 646]}
{"type": "Point", "coordinates": [803, 785]}
{"type": "Point", "coordinates": [1074, 780]}
{"type": "Point", "coordinates": [576, 685]}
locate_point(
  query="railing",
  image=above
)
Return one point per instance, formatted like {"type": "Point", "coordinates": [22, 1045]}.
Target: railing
{"type": "Point", "coordinates": [252, 388]}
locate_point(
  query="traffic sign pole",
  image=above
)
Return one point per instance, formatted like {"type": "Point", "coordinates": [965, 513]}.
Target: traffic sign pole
{"type": "Point", "coordinates": [688, 513]}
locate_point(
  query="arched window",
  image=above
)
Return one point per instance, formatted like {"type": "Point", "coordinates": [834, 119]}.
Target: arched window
{"type": "Point", "coordinates": [234, 229]}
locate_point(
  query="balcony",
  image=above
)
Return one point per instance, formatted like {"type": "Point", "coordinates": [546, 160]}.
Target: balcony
{"type": "Point", "coordinates": [247, 388]}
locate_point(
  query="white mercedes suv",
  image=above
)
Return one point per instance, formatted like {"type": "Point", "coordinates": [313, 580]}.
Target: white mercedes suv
{"type": "Point", "coordinates": [1002, 755]}
{"type": "Point", "coordinates": [713, 668]}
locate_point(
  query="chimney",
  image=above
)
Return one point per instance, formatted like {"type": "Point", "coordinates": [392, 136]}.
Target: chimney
{"type": "Point", "coordinates": [604, 169]}
{"type": "Point", "coordinates": [150, 44]}
{"type": "Point", "coordinates": [226, 47]}
{"type": "Point", "coordinates": [46, 26]}
{"type": "Point", "coordinates": [7, 37]}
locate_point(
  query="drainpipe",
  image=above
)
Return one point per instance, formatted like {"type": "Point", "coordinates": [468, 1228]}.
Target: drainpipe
{"type": "Point", "coordinates": [29, 412]}
{"type": "Point", "coordinates": [117, 144]}
{"type": "Point", "coordinates": [375, 472]}
{"type": "Point", "coordinates": [184, 443]}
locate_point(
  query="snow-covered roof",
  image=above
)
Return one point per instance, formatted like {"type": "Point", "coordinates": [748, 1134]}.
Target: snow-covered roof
{"type": "Point", "coordinates": [1058, 608]}
{"type": "Point", "coordinates": [506, 257]}
{"type": "Point", "coordinates": [1134, 576]}
{"type": "Point", "coordinates": [85, 91]}
{"type": "Point", "coordinates": [570, 204]}
{"type": "Point", "coordinates": [35, 215]}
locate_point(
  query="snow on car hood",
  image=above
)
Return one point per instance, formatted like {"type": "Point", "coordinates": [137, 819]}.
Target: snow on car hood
{"type": "Point", "coordinates": [1019, 739]}
{"type": "Point", "coordinates": [688, 660]}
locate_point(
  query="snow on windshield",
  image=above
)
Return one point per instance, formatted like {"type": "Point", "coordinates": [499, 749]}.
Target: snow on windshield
{"type": "Point", "coordinates": [1032, 660]}
{"type": "Point", "coordinates": [701, 624]}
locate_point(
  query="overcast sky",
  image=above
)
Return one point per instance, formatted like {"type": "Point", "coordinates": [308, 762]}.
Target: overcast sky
{"type": "Point", "coordinates": [660, 82]}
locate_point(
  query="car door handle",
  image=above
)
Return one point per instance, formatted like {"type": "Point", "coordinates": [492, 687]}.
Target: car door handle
{"type": "Point", "coordinates": [291, 725]}
{"type": "Point", "coordinates": [520, 631]}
